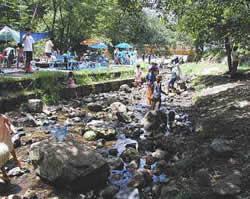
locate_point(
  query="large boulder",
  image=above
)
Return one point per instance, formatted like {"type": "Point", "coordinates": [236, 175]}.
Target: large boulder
{"type": "Point", "coordinates": [155, 122]}
{"type": "Point", "coordinates": [221, 147]}
{"type": "Point", "coordinates": [69, 165]}
{"type": "Point", "coordinates": [35, 105]}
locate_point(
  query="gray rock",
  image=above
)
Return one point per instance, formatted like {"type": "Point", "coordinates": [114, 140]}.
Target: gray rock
{"type": "Point", "coordinates": [125, 88]}
{"type": "Point", "coordinates": [169, 191]}
{"type": "Point", "coordinates": [159, 154]}
{"type": "Point", "coordinates": [35, 105]}
{"type": "Point", "coordinates": [230, 185]}
{"type": "Point", "coordinates": [95, 107]}
{"type": "Point", "coordinates": [28, 121]}
{"type": "Point", "coordinates": [130, 154]}
{"type": "Point", "coordinates": [221, 146]}
{"type": "Point", "coordinates": [69, 164]}
{"type": "Point", "coordinates": [90, 136]}
{"type": "Point", "coordinates": [123, 117]}
{"type": "Point", "coordinates": [109, 192]}
{"type": "Point", "coordinates": [116, 163]}
{"type": "Point", "coordinates": [155, 122]}
{"type": "Point", "coordinates": [14, 197]}
{"type": "Point", "coordinates": [202, 177]}
{"type": "Point", "coordinates": [30, 194]}
{"type": "Point", "coordinates": [118, 107]}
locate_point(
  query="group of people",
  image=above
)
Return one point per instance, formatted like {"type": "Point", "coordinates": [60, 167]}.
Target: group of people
{"type": "Point", "coordinates": [127, 57]}
{"type": "Point", "coordinates": [154, 79]}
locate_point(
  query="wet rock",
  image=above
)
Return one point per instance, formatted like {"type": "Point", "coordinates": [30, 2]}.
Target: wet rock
{"type": "Point", "coordinates": [118, 107]}
{"type": "Point", "coordinates": [202, 177]}
{"type": "Point", "coordinates": [30, 194]}
{"type": "Point", "coordinates": [125, 88]}
{"type": "Point", "coordinates": [123, 117]}
{"type": "Point", "coordinates": [28, 121]}
{"type": "Point", "coordinates": [100, 143]}
{"type": "Point", "coordinates": [113, 152]}
{"type": "Point", "coordinates": [169, 191]}
{"type": "Point", "coordinates": [137, 180]}
{"type": "Point", "coordinates": [146, 145]}
{"type": "Point", "coordinates": [107, 134]}
{"type": "Point", "coordinates": [159, 154]}
{"type": "Point", "coordinates": [109, 192]}
{"type": "Point", "coordinates": [14, 197]}
{"type": "Point", "coordinates": [69, 164]}
{"type": "Point", "coordinates": [155, 122]}
{"type": "Point", "coordinates": [156, 190]}
{"type": "Point", "coordinates": [221, 147]}
{"type": "Point", "coordinates": [95, 107]}
{"type": "Point", "coordinates": [116, 163]}
{"type": "Point", "coordinates": [76, 119]}
{"type": "Point", "coordinates": [35, 105]}
{"type": "Point", "coordinates": [132, 132]}
{"type": "Point", "coordinates": [16, 141]}
{"type": "Point", "coordinates": [90, 136]}
{"type": "Point", "coordinates": [130, 154]}
{"type": "Point", "coordinates": [230, 185]}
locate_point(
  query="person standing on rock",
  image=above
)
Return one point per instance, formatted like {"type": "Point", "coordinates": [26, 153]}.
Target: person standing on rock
{"type": "Point", "coordinates": [157, 91]}
{"type": "Point", "coordinates": [150, 82]}
{"type": "Point", "coordinates": [138, 76]}
{"type": "Point", "coordinates": [6, 145]}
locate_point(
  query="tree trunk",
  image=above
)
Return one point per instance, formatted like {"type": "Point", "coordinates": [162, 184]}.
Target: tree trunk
{"type": "Point", "coordinates": [228, 51]}
{"type": "Point", "coordinates": [54, 16]}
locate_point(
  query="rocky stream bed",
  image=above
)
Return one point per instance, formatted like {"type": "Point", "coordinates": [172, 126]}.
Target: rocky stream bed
{"type": "Point", "coordinates": [110, 145]}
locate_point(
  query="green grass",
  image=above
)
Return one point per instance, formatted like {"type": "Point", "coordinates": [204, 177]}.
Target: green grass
{"type": "Point", "coordinates": [48, 84]}
{"type": "Point", "coordinates": [199, 69]}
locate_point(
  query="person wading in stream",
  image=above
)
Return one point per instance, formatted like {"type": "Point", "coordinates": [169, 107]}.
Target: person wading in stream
{"type": "Point", "coordinates": [157, 91]}
{"type": "Point", "coordinates": [150, 82]}
{"type": "Point", "coordinates": [6, 146]}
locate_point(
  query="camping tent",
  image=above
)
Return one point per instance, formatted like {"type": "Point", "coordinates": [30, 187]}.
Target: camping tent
{"type": "Point", "coordinates": [8, 34]}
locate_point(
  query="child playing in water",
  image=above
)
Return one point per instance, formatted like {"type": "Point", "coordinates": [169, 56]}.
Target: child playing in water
{"type": "Point", "coordinates": [175, 74]}
{"type": "Point", "coordinates": [71, 80]}
{"type": "Point", "coordinates": [138, 76]}
{"type": "Point", "coordinates": [157, 91]}
{"type": "Point", "coordinates": [20, 54]}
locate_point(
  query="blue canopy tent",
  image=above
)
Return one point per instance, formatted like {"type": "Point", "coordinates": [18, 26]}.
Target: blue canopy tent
{"type": "Point", "coordinates": [99, 46]}
{"type": "Point", "coordinates": [36, 35]}
{"type": "Point", "coordinates": [124, 45]}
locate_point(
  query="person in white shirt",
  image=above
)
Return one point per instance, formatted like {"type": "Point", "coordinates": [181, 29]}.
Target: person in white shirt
{"type": "Point", "coordinates": [49, 47]}
{"type": "Point", "coordinates": [28, 42]}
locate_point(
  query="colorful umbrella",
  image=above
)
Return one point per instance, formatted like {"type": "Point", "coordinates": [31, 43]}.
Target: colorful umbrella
{"type": "Point", "coordinates": [99, 46]}
{"type": "Point", "coordinates": [124, 45]}
{"type": "Point", "coordinates": [88, 42]}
